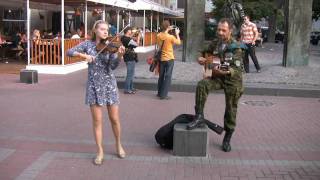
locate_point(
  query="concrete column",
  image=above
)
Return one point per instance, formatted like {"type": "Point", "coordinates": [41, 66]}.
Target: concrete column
{"type": "Point", "coordinates": [193, 29]}
{"type": "Point", "coordinates": [297, 29]}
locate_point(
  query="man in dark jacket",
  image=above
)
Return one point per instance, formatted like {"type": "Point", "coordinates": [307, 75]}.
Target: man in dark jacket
{"type": "Point", "coordinates": [130, 58]}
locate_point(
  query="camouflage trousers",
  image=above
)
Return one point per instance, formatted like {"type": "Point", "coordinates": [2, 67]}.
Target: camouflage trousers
{"type": "Point", "coordinates": [233, 91]}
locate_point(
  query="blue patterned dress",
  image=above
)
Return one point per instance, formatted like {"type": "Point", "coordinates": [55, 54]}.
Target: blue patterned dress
{"type": "Point", "coordinates": [101, 85]}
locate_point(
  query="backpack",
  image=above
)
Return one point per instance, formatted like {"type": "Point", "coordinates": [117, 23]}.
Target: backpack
{"type": "Point", "coordinates": [164, 136]}
{"type": "Point", "coordinates": [156, 58]}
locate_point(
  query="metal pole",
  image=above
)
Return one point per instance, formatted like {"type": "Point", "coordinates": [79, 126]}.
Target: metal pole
{"type": "Point", "coordinates": [28, 30]}
{"type": "Point", "coordinates": [158, 19]}
{"type": "Point", "coordinates": [86, 20]}
{"type": "Point", "coordinates": [151, 25]}
{"type": "Point", "coordinates": [151, 22]}
{"type": "Point", "coordinates": [130, 18]}
{"type": "Point", "coordinates": [104, 13]}
{"type": "Point", "coordinates": [62, 31]}
{"type": "Point", "coordinates": [123, 12]}
{"type": "Point", "coordinates": [118, 21]}
{"type": "Point", "coordinates": [144, 26]}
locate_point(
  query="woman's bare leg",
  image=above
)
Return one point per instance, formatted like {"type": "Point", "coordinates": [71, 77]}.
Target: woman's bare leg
{"type": "Point", "coordinates": [113, 112]}
{"type": "Point", "coordinates": [96, 112]}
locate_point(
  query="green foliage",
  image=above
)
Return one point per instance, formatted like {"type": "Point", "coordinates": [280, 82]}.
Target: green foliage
{"type": "Point", "coordinates": [280, 19]}
{"type": "Point", "coordinates": [210, 31]}
{"type": "Point", "coordinates": [316, 9]}
{"type": "Point", "coordinates": [217, 11]}
{"type": "Point", "coordinates": [256, 9]}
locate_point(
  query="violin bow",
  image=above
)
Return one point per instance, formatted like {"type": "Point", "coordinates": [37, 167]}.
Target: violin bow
{"type": "Point", "coordinates": [111, 40]}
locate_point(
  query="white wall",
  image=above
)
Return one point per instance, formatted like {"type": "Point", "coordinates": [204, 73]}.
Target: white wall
{"type": "Point", "coordinates": [316, 25]}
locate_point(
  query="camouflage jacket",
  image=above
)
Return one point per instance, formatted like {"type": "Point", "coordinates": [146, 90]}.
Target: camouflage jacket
{"type": "Point", "coordinates": [231, 48]}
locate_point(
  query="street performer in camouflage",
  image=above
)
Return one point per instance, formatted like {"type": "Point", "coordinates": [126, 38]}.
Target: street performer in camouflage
{"type": "Point", "coordinates": [226, 75]}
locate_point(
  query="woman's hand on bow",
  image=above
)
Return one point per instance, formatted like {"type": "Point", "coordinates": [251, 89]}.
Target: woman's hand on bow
{"type": "Point", "coordinates": [88, 58]}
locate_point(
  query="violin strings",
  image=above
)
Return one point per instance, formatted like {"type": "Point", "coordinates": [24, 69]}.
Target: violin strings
{"type": "Point", "coordinates": [112, 40]}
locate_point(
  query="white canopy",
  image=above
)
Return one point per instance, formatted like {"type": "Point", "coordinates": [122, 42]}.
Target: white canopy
{"type": "Point", "coordinates": [153, 6]}
{"type": "Point", "coordinates": [117, 3]}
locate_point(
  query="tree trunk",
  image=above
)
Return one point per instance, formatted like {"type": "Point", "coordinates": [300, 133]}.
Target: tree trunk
{"type": "Point", "coordinates": [272, 26]}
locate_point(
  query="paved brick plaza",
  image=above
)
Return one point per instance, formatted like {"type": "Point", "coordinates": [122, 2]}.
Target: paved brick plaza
{"type": "Point", "coordinates": [46, 133]}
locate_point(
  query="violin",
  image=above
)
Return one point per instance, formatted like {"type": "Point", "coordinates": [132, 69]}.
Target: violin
{"type": "Point", "coordinates": [108, 45]}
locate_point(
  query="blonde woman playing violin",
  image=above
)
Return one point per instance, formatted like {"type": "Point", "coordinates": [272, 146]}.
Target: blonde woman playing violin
{"type": "Point", "coordinates": [101, 88]}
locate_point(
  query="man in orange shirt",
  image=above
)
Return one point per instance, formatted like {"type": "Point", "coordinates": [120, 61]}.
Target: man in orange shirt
{"type": "Point", "coordinates": [167, 58]}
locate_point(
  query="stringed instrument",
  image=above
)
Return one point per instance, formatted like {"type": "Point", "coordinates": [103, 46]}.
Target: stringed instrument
{"type": "Point", "coordinates": [210, 62]}
{"type": "Point", "coordinates": [207, 71]}
{"type": "Point", "coordinates": [109, 45]}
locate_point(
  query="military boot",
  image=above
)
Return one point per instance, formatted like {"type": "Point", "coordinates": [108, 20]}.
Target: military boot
{"type": "Point", "coordinates": [198, 120]}
{"type": "Point", "coordinates": [226, 146]}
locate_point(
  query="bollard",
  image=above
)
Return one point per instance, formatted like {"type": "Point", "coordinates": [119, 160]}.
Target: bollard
{"type": "Point", "coordinates": [28, 76]}
{"type": "Point", "coordinates": [190, 142]}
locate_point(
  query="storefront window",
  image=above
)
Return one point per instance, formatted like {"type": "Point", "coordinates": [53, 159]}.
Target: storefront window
{"type": "Point", "coordinates": [13, 21]}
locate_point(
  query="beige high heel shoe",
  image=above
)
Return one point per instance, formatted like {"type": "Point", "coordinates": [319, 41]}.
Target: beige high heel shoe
{"type": "Point", "coordinates": [122, 154]}
{"type": "Point", "coordinates": [98, 160]}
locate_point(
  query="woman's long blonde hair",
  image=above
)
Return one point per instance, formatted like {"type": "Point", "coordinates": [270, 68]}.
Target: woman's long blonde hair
{"type": "Point", "coordinates": [95, 26]}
